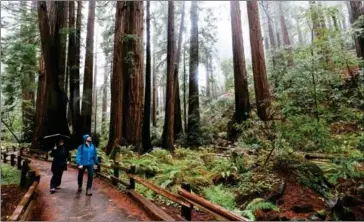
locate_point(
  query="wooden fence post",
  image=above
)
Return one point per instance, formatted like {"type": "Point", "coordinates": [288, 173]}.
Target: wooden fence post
{"type": "Point", "coordinates": [14, 149]}
{"type": "Point", "coordinates": [7, 149]}
{"type": "Point", "coordinates": [30, 178]}
{"type": "Point", "coordinates": [21, 151]}
{"type": "Point", "coordinates": [131, 180]}
{"type": "Point", "coordinates": [19, 162]}
{"type": "Point", "coordinates": [5, 156]}
{"type": "Point", "coordinates": [24, 171]}
{"type": "Point", "coordinates": [116, 174]}
{"type": "Point", "coordinates": [186, 212]}
{"type": "Point", "coordinates": [12, 159]}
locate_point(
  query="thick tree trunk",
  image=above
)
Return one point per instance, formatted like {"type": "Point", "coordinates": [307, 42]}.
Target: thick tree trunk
{"type": "Point", "coordinates": [94, 91]}
{"type": "Point", "coordinates": [117, 86]}
{"type": "Point", "coordinates": [55, 110]}
{"type": "Point", "coordinates": [62, 49]}
{"type": "Point", "coordinates": [133, 69]}
{"type": "Point", "coordinates": [86, 110]}
{"type": "Point", "coordinates": [261, 85]}
{"type": "Point", "coordinates": [193, 127]}
{"type": "Point", "coordinates": [278, 39]}
{"type": "Point", "coordinates": [146, 117]}
{"type": "Point", "coordinates": [168, 136]}
{"type": "Point", "coordinates": [242, 105]}
{"type": "Point", "coordinates": [40, 104]}
{"type": "Point", "coordinates": [286, 40]}
{"type": "Point", "coordinates": [178, 129]}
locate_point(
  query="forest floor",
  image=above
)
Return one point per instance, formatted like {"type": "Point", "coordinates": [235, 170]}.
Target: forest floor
{"type": "Point", "coordinates": [10, 198]}
{"type": "Point", "coordinates": [106, 203]}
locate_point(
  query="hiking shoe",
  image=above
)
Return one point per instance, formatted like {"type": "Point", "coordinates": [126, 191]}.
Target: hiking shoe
{"type": "Point", "coordinates": [79, 189]}
{"type": "Point", "coordinates": [88, 192]}
{"type": "Point", "coordinates": [57, 188]}
{"type": "Point", "coordinates": [53, 191]}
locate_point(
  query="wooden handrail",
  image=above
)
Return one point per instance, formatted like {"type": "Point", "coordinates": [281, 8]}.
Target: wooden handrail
{"type": "Point", "coordinates": [209, 205]}
{"type": "Point", "coordinates": [24, 202]}
{"type": "Point", "coordinates": [161, 191]}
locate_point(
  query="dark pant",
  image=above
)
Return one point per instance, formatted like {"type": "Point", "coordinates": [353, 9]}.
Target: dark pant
{"type": "Point", "coordinates": [57, 177]}
{"type": "Point", "coordinates": [90, 174]}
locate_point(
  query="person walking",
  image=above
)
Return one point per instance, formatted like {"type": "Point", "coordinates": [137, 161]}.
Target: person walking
{"type": "Point", "coordinates": [86, 159]}
{"type": "Point", "coordinates": [60, 156]}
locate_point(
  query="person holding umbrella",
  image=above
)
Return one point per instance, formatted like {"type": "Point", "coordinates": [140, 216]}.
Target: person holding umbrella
{"type": "Point", "coordinates": [86, 158]}
{"type": "Point", "coordinates": [60, 156]}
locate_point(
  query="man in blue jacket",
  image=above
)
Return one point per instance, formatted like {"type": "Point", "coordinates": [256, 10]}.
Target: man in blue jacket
{"type": "Point", "coordinates": [86, 158]}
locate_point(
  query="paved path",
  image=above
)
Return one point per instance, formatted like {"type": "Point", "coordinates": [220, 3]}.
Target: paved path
{"type": "Point", "coordinates": [106, 203]}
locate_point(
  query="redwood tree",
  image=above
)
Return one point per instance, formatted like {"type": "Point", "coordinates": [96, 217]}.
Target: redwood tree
{"type": "Point", "coordinates": [178, 129]}
{"type": "Point", "coordinates": [261, 85]}
{"type": "Point", "coordinates": [242, 105]}
{"type": "Point", "coordinates": [146, 118]}
{"type": "Point", "coordinates": [168, 136]}
{"type": "Point", "coordinates": [286, 40]}
{"type": "Point", "coordinates": [193, 127]}
{"type": "Point", "coordinates": [133, 72]}
{"type": "Point", "coordinates": [88, 74]}
{"type": "Point", "coordinates": [53, 106]}
{"type": "Point", "coordinates": [355, 13]}
{"type": "Point", "coordinates": [117, 87]}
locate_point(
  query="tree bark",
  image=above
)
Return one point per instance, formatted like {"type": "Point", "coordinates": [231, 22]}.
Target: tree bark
{"type": "Point", "coordinates": [133, 69]}
{"type": "Point", "coordinates": [168, 138]}
{"type": "Point", "coordinates": [146, 117]}
{"type": "Point", "coordinates": [242, 105]}
{"type": "Point", "coordinates": [155, 93]}
{"type": "Point", "coordinates": [86, 110]}
{"type": "Point", "coordinates": [178, 129]}
{"type": "Point", "coordinates": [208, 90]}
{"type": "Point", "coordinates": [286, 40]}
{"type": "Point", "coordinates": [193, 127]}
{"type": "Point", "coordinates": [117, 86]}
{"type": "Point", "coordinates": [54, 108]}
{"type": "Point", "coordinates": [355, 14]}
{"type": "Point", "coordinates": [261, 85]}
{"type": "Point", "coordinates": [104, 98]}
{"type": "Point", "coordinates": [184, 89]}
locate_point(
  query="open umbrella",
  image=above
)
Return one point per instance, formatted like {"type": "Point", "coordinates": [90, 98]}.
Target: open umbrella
{"type": "Point", "coordinates": [48, 142]}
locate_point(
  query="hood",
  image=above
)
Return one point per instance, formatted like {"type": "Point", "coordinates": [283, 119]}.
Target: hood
{"type": "Point", "coordinates": [84, 138]}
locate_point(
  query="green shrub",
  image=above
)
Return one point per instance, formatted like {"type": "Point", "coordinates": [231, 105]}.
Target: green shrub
{"type": "Point", "coordinates": [9, 174]}
{"type": "Point", "coordinates": [220, 196]}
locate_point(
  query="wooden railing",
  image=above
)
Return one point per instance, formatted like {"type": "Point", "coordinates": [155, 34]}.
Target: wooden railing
{"type": "Point", "coordinates": [184, 198]}
{"type": "Point", "coordinates": [29, 179]}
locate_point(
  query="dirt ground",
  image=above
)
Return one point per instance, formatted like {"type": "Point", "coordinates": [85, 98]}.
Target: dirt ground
{"type": "Point", "coordinates": [10, 198]}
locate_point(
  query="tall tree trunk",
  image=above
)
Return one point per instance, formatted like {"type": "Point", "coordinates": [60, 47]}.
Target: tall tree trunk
{"type": "Point", "coordinates": [146, 117]}
{"type": "Point", "coordinates": [168, 135]}
{"type": "Point", "coordinates": [261, 85]}
{"type": "Point", "coordinates": [278, 39]}
{"type": "Point", "coordinates": [55, 120]}
{"type": "Point", "coordinates": [62, 49]}
{"type": "Point", "coordinates": [86, 110]}
{"type": "Point", "coordinates": [76, 112]}
{"type": "Point", "coordinates": [242, 105]}
{"type": "Point", "coordinates": [94, 90]}
{"type": "Point", "coordinates": [117, 86]}
{"type": "Point", "coordinates": [133, 69]}
{"type": "Point", "coordinates": [155, 92]}
{"type": "Point", "coordinates": [104, 98]}
{"type": "Point", "coordinates": [40, 103]}
{"type": "Point", "coordinates": [208, 90]}
{"type": "Point", "coordinates": [27, 84]}
{"type": "Point", "coordinates": [178, 129]}
{"type": "Point", "coordinates": [355, 14]}
{"type": "Point", "coordinates": [184, 89]}
{"type": "Point", "coordinates": [72, 66]}
{"type": "Point", "coordinates": [286, 40]}
{"type": "Point", "coordinates": [299, 31]}
{"type": "Point", "coordinates": [193, 127]}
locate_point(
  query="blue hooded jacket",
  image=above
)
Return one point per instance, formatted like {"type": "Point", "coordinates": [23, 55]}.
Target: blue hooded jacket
{"type": "Point", "coordinates": [86, 155]}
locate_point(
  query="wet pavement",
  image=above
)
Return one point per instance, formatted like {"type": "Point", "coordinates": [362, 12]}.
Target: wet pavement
{"type": "Point", "coordinates": [106, 203]}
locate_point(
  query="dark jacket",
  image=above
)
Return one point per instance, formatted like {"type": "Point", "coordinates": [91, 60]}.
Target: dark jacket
{"type": "Point", "coordinates": [60, 156]}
